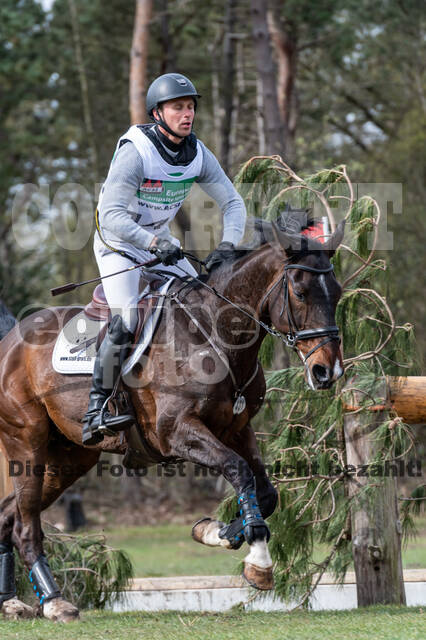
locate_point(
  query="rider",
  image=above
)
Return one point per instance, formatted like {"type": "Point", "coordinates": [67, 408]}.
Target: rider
{"type": "Point", "coordinates": [151, 173]}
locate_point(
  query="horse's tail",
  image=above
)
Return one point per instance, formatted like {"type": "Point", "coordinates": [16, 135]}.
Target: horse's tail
{"type": "Point", "coordinates": [7, 320]}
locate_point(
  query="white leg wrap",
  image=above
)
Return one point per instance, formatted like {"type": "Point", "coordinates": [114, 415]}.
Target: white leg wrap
{"type": "Point", "coordinates": [259, 555]}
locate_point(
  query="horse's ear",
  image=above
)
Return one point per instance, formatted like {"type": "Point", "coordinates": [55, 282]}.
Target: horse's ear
{"type": "Point", "coordinates": [288, 241]}
{"type": "Point", "coordinates": [334, 241]}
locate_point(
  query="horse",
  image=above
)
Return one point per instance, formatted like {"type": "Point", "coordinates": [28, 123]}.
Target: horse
{"type": "Point", "coordinates": [205, 385]}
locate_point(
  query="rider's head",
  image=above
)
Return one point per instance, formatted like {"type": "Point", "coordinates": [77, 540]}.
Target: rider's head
{"type": "Point", "coordinates": [171, 102]}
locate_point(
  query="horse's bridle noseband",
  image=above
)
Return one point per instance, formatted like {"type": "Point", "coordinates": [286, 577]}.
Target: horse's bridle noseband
{"type": "Point", "coordinates": [293, 336]}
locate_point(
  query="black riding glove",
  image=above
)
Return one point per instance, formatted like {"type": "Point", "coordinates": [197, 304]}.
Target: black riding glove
{"type": "Point", "coordinates": [167, 252]}
{"type": "Point", "coordinates": [221, 253]}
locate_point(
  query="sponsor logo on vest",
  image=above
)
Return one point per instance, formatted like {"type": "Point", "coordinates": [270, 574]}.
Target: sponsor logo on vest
{"type": "Point", "coordinates": [151, 186]}
{"type": "Point", "coordinates": [164, 192]}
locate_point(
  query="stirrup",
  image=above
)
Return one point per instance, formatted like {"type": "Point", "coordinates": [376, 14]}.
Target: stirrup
{"type": "Point", "coordinates": [96, 434]}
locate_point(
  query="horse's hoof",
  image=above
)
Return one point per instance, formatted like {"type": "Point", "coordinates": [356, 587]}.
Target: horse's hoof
{"type": "Point", "coordinates": [14, 609]}
{"type": "Point", "coordinates": [59, 610]}
{"type": "Point", "coordinates": [199, 528]}
{"type": "Point", "coordinates": [207, 530]}
{"type": "Point", "coordinates": [258, 577]}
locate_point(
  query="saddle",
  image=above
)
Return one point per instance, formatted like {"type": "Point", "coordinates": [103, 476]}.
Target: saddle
{"type": "Point", "coordinates": [98, 309]}
{"type": "Point", "coordinates": [76, 346]}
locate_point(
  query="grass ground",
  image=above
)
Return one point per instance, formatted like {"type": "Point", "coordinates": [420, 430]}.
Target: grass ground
{"type": "Point", "coordinates": [168, 550]}
{"type": "Point", "coordinates": [373, 623]}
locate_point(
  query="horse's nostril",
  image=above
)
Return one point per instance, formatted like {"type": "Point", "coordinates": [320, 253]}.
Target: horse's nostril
{"type": "Point", "coordinates": [321, 374]}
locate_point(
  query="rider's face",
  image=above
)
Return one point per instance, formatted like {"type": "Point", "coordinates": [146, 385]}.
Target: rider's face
{"type": "Point", "coordinates": [178, 114]}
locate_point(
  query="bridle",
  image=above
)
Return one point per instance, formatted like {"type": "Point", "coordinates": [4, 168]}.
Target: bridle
{"type": "Point", "coordinates": [293, 335]}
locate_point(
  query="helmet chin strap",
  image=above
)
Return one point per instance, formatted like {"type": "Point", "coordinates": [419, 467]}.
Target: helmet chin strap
{"type": "Point", "coordinates": [161, 123]}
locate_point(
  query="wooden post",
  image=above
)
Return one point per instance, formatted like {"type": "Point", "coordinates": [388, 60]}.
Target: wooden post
{"type": "Point", "coordinates": [376, 528]}
{"type": "Point", "coordinates": [6, 485]}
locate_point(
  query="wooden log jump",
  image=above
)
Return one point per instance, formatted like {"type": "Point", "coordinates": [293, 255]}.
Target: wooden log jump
{"type": "Point", "coordinates": [407, 396]}
{"type": "Point", "coordinates": [404, 395]}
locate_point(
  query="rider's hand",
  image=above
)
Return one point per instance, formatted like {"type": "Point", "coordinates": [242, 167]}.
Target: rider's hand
{"type": "Point", "coordinates": [166, 251]}
{"type": "Point", "coordinates": [221, 253]}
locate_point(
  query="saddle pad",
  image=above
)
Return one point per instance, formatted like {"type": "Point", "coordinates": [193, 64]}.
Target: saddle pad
{"type": "Point", "coordinates": [75, 347]}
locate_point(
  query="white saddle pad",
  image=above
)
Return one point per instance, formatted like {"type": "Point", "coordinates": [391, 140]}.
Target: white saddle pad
{"type": "Point", "coordinates": [75, 347]}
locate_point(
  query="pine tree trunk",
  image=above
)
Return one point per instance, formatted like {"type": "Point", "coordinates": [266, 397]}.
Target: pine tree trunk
{"type": "Point", "coordinates": [84, 87]}
{"type": "Point", "coordinates": [168, 63]}
{"type": "Point", "coordinates": [285, 46]}
{"type": "Point", "coordinates": [228, 83]}
{"type": "Point", "coordinates": [376, 528]}
{"type": "Point", "coordinates": [138, 61]}
{"type": "Point", "coordinates": [274, 134]}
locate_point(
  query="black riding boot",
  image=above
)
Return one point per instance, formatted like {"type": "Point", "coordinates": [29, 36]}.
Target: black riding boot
{"type": "Point", "coordinates": [109, 359]}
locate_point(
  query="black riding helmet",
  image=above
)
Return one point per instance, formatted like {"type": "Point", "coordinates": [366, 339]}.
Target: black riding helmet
{"type": "Point", "coordinates": [168, 87]}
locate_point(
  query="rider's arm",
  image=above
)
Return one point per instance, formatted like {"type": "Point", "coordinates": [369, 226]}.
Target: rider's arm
{"type": "Point", "coordinates": [218, 186]}
{"type": "Point", "coordinates": [124, 178]}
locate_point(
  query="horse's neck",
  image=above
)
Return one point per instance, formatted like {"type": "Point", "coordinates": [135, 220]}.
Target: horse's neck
{"type": "Point", "coordinates": [245, 283]}
{"type": "Point", "coordinates": [247, 280]}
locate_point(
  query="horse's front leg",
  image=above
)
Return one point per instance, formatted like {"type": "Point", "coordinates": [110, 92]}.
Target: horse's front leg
{"type": "Point", "coordinates": [244, 443]}
{"type": "Point", "coordinates": [193, 441]}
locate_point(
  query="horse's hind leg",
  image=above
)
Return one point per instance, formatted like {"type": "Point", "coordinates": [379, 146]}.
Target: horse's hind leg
{"type": "Point", "coordinates": [10, 606]}
{"type": "Point", "coordinates": [29, 447]}
{"type": "Point", "coordinates": [193, 441]}
{"type": "Point", "coordinates": [65, 463]}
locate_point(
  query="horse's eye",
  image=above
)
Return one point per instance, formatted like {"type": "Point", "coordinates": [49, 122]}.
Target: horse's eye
{"type": "Point", "coordinates": [299, 296]}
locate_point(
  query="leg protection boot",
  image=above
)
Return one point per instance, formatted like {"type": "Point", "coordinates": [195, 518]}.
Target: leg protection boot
{"type": "Point", "coordinates": [109, 359]}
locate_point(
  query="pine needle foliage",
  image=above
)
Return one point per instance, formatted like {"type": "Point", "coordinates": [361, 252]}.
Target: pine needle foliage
{"type": "Point", "coordinates": [89, 573]}
{"type": "Point", "coordinates": [305, 444]}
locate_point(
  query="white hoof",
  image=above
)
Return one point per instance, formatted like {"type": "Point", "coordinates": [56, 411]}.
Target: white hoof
{"type": "Point", "coordinates": [59, 610]}
{"type": "Point", "coordinates": [207, 530]}
{"type": "Point", "coordinates": [14, 609]}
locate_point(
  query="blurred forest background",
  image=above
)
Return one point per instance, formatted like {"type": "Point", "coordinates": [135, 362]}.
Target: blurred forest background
{"type": "Point", "coordinates": [318, 82]}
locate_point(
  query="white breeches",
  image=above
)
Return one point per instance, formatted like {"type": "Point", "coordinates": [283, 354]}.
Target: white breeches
{"type": "Point", "coordinates": [122, 291]}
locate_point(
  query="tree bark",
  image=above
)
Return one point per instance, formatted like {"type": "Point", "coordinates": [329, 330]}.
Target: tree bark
{"type": "Point", "coordinates": [275, 143]}
{"type": "Point", "coordinates": [84, 87]}
{"type": "Point", "coordinates": [376, 528]}
{"type": "Point", "coordinates": [228, 84]}
{"type": "Point", "coordinates": [259, 117]}
{"type": "Point", "coordinates": [168, 63]}
{"type": "Point", "coordinates": [138, 61]}
{"type": "Point", "coordinates": [285, 46]}
{"type": "Point", "coordinates": [216, 103]}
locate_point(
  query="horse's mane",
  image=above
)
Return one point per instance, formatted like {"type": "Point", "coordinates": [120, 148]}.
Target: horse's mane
{"type": "Point", "coordinates": [292, 221]}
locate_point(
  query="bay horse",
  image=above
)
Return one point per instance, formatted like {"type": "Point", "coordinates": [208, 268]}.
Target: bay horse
{"type": "Point", "coordinates": [198, 410]}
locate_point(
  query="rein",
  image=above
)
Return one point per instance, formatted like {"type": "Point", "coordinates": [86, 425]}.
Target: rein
{"type": "Point", "coordinates": [293, 336]}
